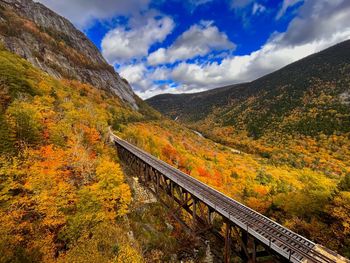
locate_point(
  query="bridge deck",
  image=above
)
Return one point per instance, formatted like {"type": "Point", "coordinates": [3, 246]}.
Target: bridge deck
{"type": "Point", "coordinates": [283, 241]}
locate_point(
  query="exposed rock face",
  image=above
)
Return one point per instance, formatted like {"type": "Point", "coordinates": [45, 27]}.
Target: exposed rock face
{"type": "Point", "coordinates": [51, 43]}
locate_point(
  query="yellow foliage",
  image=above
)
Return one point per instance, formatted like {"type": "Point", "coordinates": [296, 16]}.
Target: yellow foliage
{"type": "Point", "coordinates": [61, 180]}
{"type": "Point", "coordinates": [111, 191]}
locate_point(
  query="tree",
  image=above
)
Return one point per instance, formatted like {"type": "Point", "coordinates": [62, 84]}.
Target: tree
{"type": "Point", "coordinates": [344, 184]}
{"type": "Point", "coordinates": [7, 137]}
{"type": "Point", "coordinates": [105, 242]}
{"type": "Point", "coordinates": [110, 189]}
{"type": "Point", "coordinates": [27, 120]}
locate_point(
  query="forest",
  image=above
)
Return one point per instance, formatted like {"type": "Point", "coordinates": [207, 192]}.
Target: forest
{"type": "Point", "coordinates": [64, 195]}
{"type": "Point", "coordinates": [279, 145]}
{"type": "Point", "coordinates": [63, 187]}
{"type": "Point", "coordinates": [309, 194]}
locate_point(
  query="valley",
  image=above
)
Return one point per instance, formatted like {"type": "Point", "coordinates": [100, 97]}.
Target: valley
{"type": "Point", "coordinates": [289, 133]}
{"type": "Point", "coordinates": [279, 145]}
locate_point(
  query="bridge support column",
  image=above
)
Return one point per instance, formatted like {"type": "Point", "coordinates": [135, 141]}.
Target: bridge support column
{"type": "Point", "coordinates": [140, 168]}
{"type": "Point", "coordinates": [157, 182]}
{"type": "Point", "coordinates": [148, 174]}
{"type": "Point", "coordinates": [227, 253]}
{"type": "Point", "coordinates": [210, 216]}
{"type": "Point", "coordinates": [244, 244]}
{"type": "Point", "coordinates": [171, 189]}
{"type": "Point", "coordinates": [254, 251]}
{"type": "Point", "coordinates": [194, 214]}
{"type": "Point", "coordinates": [144, 172]}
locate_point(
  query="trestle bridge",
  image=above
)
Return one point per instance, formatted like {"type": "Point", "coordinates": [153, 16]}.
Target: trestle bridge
{"type": "Point", "coordinates": [256, 234]}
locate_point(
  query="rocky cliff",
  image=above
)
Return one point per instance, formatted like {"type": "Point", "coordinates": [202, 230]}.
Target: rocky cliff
{"type": "Point", "coordinates": [51, 43]}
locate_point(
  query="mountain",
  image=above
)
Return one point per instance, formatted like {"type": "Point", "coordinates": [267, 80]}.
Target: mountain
{"type": "Point", "coordinates": [308, 97]}
{"type": "Point", "coordinates": [65, 196]}
{"type": "Point", "coordinates": [51, 43]}
{"type": "Point", "coordinates": [62, 189]}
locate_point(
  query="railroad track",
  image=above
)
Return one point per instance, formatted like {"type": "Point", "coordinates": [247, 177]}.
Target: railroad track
{"type": "Point", "coordinates": [283, 241]}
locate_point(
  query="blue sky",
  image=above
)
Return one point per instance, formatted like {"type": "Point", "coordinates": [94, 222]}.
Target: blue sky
{"type": "Point", "coordinates": [175, 46]}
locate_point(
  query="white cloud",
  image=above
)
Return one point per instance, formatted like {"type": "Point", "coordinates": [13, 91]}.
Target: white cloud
{"type": "Point", "coordinates": [153, 91]}
{"type": "Point", "coordinates": [318, 25]}
{"type": "Point", "coordinates": [84, 12]}
{"type": "Point", "coordinates": [142, 78]}
{"type": "Point", "coordinates": [123, 43]}
{"type": "Point", "coordinates": [318, 20]}
{"type": "Point", "coordinates": [138, 77]}
{"type": "Point", "coordinates": [258, 8]}
{"type": "Point", "coordinates": [246, 68]}
{"type": "Point", "coordinates": [145, 81]}
{"type": "Point", "coordinates": [198, 40]}
{"type": "Point", "coordinates": [286, 4]}
{"type": "Point", "coordinates": [133, 73]}
{"type": "Point", "coordinates": [160, 73]}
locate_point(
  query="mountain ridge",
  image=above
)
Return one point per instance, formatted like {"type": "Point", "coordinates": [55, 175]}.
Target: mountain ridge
{"type": "Point", "coordinates": [273, 98]}
{"type": "Point", "coordinates": [64, 191]}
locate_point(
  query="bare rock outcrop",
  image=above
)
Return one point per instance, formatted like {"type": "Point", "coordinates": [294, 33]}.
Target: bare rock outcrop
{"type": "Point", "coordinates": [51, 43]}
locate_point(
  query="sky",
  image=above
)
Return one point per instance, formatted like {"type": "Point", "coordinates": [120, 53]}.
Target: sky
{"type": "Point", "coordinates": [182, 46]}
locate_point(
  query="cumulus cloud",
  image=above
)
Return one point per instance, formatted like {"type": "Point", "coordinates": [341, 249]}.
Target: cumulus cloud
{"type": "Point", "coordinates": [123, 43]}
{"type": "Point", "coordinates": [246, 68]}
{"type": "Point", "coordinates": [143, 78]}
{"type": "Point", "coordinates": [139, 77]}
{"type": "Point", "coordinates": [154, 90]}
{"type": "Point", "coordinates": [133, 73]}
{"type": "Point", "coordinates": [317, 21]}
{"type": "Point", "coordinates": [198, 40]}
{"type": "Point", "coordinates": [83, 13]}
{"type": "Point", "coordinates": [318, 25]}
{"type": "Point", "coordinates": [149, 81]}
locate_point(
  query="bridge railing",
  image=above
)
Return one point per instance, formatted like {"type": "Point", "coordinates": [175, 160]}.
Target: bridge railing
{"type": "Point", "coordinates": [180, 178]}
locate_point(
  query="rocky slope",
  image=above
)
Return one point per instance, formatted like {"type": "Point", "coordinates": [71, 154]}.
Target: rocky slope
{"type": "Point", "coordinates": [309, 97]}
{"type": "Point", "coordinates": [51, 43]}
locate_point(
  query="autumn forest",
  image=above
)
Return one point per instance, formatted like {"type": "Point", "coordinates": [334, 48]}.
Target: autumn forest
{"type": "Point", "coordinates": [66, 197]}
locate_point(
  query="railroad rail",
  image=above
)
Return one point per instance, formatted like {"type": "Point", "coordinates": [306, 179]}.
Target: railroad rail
{"type": "Point", "coordinates": [250, 227]}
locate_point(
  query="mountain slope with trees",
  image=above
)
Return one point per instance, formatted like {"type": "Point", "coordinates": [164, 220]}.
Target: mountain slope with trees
{"type": "Point", "coordinates": [308, 97]}
{"type": "Point", "coordinates": [61, 185]}
{"type": "Point", "coordinates": [295, 118]}
{"type": "Point", "coordinates": [65, 196]}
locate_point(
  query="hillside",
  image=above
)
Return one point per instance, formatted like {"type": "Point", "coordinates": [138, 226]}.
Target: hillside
{"type": "Point", "coordinates": [66, 197]}
{"type": "Point", "coordinates": [63, 191]}
{"type": "Point", "coordinates": [53, 44]}
{"type": "Point", "coordinates": [308, 97]}
{"type": "Point", "coordinates": [53, 161]}
{"type": "Point", "coordinates": [295, 119]}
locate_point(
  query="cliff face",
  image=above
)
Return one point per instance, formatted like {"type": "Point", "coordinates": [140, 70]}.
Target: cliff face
{"type": "Point", "coordinates": [51, 43]}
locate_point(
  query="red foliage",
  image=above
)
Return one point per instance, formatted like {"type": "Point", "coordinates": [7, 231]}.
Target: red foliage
{"type": "Point", "coordinates": [203, 172]}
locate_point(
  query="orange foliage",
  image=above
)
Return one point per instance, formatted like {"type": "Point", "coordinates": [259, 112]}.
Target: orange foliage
{"type": "Point", "coordinates": [169, 153]}
{"type": "Point", "coordinates": [204, 173]}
